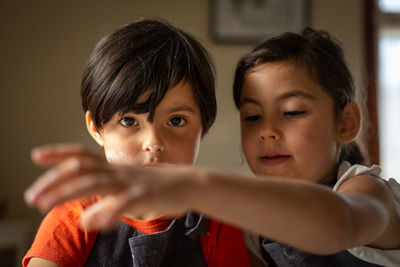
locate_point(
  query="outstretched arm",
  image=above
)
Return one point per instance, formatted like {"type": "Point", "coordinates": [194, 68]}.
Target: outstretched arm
{"type": "Point", "coordinates": [301, 214]}
{"type": "Point", "coordinates": [306, 215]}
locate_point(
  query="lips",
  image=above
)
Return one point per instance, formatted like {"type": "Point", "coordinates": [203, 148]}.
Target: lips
{"type": "Point", "coordinates": [274, 160]}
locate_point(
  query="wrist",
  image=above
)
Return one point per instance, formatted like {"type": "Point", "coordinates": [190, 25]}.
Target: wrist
{"type": "Point", "coordinates": [199, 188]}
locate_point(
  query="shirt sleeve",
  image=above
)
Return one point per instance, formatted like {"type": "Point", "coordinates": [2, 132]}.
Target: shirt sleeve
{"type": "Point", "coordinates": [224, 245]}
{"type": "Point", "coordinates": [369, 254]}
{"type": "Point", "coordinates": [59, 237]}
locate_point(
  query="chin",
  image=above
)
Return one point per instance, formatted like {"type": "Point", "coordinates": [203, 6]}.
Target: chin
{"type": "Point", "coordinates": [271, 172]}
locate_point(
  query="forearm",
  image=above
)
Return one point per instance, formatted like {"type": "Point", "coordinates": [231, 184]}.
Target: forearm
{"type": "Point", "coordinates": [40, 262]}
{"type": "Point", "coordinates": [304, 215]}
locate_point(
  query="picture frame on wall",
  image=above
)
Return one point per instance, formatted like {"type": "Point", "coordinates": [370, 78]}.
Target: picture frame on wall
{"type": "Point", "coordinates": [250, 21]}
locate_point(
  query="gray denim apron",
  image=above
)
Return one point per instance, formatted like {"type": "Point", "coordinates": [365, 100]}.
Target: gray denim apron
{"type": "Point", "coordinates": [178, 245]}
{"type": "Point", "coordinates": [280, 255]}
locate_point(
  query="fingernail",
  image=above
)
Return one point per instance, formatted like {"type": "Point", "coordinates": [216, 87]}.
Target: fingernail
{"type": "Point", "coordinates": [36, 152]}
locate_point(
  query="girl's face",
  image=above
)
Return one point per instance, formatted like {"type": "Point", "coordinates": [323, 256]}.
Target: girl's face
{"type": "Point", "coordinates": [287, 123]}
{"type": "Point", "coordinates": [173, 137]}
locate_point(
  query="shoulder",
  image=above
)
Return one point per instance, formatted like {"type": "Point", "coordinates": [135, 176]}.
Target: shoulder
{"type": "Point", "coordinates": [347, 172]}
{"type": "Point", "coordinates": [60, 238]}
{"type": "Point", "coordinates": [375, 204]}
{"type": "Point", "coordinates": [66, 215]}
{"type": "Point", "coordinates": [365, 181]}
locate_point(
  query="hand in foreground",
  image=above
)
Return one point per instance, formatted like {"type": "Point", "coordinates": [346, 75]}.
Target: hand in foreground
{"type": "Point", "coordinates": [135, 190]}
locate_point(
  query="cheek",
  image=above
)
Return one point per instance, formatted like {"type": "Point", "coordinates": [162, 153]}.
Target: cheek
{"type": "Point", "coordinates": [183, 149]}
{"type": "Point", "coordinates": [314, 143]}
{"type": "Point", "coordinates": [121, 151]}
{"type": "Point", "coordinates": [115, 156]}
{"type": "Point", "coordinates": [248, 140]}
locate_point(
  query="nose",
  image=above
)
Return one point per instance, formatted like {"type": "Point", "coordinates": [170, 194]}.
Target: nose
{"type": "Point", "coordinates": [152, 142]}
{"type": "Point", "coordinates": [269, 131]}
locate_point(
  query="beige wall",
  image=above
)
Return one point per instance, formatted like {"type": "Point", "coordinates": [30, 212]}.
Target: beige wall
{"type": "Point", "coordinates": [44, 47]}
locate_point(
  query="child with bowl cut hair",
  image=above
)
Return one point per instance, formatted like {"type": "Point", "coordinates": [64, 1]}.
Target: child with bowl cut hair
{"type": "Point", "coordinates": [149, 96]}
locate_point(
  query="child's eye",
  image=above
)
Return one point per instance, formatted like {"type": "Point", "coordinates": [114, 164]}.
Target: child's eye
{"type": "Point", "coordinates": [294, 113]}
{"type": "Point", "coordinates": [128, 122]}
{"type": "Point", "coordinates": [177, 121]}
{"type": "Point", "coordinates": [252, 118]}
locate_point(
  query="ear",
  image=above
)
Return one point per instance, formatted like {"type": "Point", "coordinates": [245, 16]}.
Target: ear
{"type": "Point", "coordinates": [349, 123]}
{"type": "Point", "coordinates": [93, 130]}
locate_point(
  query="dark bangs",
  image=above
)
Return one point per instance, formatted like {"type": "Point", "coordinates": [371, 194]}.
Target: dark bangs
{"type": "Point", "coordinates": [138, 57]}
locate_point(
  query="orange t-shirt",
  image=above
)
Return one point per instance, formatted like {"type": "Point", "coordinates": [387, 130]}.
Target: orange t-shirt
{"type": "Point", "coordinates": [61, 240]}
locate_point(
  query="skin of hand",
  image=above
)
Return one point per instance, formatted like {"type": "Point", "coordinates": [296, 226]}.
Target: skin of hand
{"type": "Point", "coordinates": [138, 190]}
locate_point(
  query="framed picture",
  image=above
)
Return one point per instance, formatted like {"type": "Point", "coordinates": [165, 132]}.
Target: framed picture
{"type": "Point", "coordinates": [253, 20]}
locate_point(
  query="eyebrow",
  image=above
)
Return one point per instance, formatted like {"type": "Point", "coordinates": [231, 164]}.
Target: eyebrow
{"type": "Point", "coordinates": [296, 93]}
{"type": "Point", "coordinates": [290, 94]}
{"type": "Point", "coordinates": [180, 108]}
{"type": "Point", "coordinates": [249, 100]}
{"type": "Point", "coordinates": [169, 110]}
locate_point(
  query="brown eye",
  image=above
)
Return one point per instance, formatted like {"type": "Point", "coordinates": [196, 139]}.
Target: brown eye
{"type": "Point", "coordinates": [128, 122]}
{"type": "Point", "coordinates": [177, 121]}
{"type": "Point", "coordinates": [252, 118]}
{"type": "Point", "coordinates": [294, 113]}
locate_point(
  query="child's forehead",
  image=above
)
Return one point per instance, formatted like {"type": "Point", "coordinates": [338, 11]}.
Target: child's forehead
{"type": "Point", "coordinates": [284, 71]}
{"type": "Point", "coordinates": [279, 71]}
{"type": "Point", "coordinates": [287, 64]}
{"type": "Point", "coordinates": [282, 81]}
{"type": "Point", "coordinates": [176, 95]}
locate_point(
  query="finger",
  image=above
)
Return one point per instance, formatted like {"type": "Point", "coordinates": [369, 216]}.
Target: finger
{"type": "Point", "coordinates": [103, 215]}
{"type": "Point", "coordinates": [92, 184]}
{"type": "Point", "coordinates": [99, 217]}
{"type": "Point", "coordinates": [55, 153]}
{"type": "Point", "coordinates": [61, 174]}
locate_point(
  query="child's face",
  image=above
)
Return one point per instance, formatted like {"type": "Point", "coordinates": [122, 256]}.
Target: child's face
{"type": "Point", "coordinates": [173, 137]}
{"type": "Point", "coordinates": [287, 123]}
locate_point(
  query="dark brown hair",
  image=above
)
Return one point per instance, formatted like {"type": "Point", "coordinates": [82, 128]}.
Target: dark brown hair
{"type": "Point", "coordinates": [143, 55]}
{"type": "Point", "coordinates": [321, 55]}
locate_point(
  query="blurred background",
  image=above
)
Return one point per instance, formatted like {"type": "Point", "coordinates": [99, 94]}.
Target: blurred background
{"type": "Point", "coordinates": [44, 47]}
